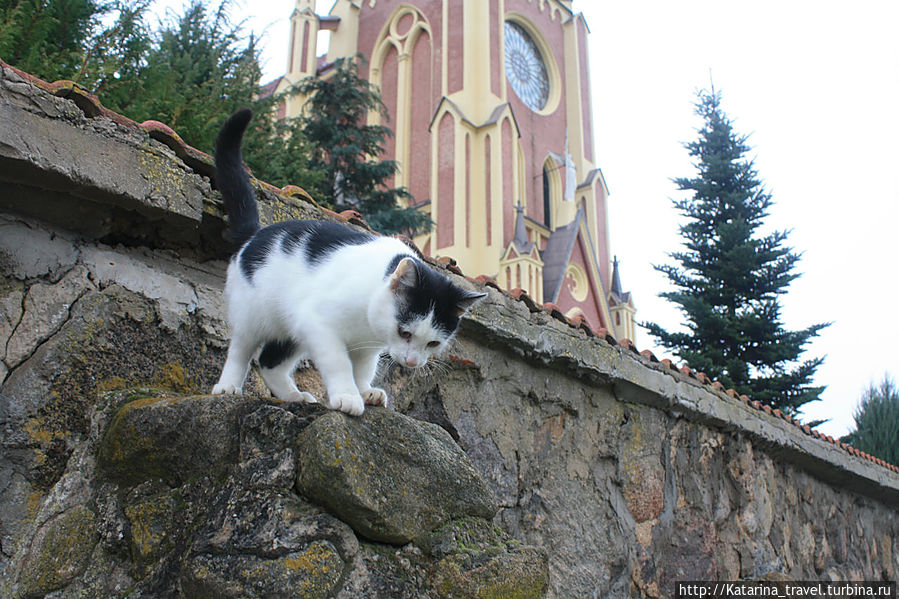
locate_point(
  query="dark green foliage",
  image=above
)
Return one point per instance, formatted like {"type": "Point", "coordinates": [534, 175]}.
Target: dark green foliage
{"type": "Point", "coordinates": [115, 59]}
{"type": "Point", "coordinates": [347, 150]}
{"type": "Point", "coordinates": [276, 150]}
{"type": "Point", "coordinates": [198, 70]}
{"type": "Point", "coordinates": [47, 37]}
{"type": "Point", "coordinates": [877, 422]}
{"type": "Point", "coordinates": [729, 278]}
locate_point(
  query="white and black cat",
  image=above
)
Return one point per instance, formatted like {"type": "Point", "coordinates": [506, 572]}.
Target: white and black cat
{"type": "Point", "coordinates": [322, 291]}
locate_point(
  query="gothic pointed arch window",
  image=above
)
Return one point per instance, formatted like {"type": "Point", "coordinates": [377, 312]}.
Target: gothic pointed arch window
{"type": "Point", "coordinates": [552, 190]}
{"type": "Point", "coordinates": [401, 68]}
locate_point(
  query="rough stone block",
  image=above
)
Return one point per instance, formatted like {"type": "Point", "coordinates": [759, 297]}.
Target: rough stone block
{"type": "Point", "coordinates": [60, 552]}
{"type": "Point", "coordinates": [312, 573]}
{"type": "Point", "coordinates": [174, 439]}
{"type": "Point", "coordinates": [46, 309]}
{"type": "Point", "coordinates": [478, 559]}
{"type": "Point", "coordinates": [392, 478]}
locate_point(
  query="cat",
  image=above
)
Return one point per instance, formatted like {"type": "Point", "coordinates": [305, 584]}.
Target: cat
{"type": "Point", "coordinates": [317, 290]}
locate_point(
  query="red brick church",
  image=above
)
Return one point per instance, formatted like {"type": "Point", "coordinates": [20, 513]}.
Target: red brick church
{"type": "Point", "coordinates": [489, 101]}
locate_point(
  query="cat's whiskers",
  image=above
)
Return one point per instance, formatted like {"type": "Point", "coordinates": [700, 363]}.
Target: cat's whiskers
{"type": "Point", "coordinates": [364, 346]}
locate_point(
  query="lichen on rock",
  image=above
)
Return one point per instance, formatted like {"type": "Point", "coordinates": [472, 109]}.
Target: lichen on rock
{"type": "Point", "coordinates": [308, 574]}
{"type": "Point", "coordinates": [59, 552]}
{"type": "Point", "coordinates": [476, 559]}
{"type": "Point", "coordinates": [173, 438]}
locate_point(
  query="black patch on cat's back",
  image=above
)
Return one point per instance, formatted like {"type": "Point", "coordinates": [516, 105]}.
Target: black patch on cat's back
{"type": "Point", "coordinates": [322, 238]}
{"type": "Point", "coordinates": [275, 352]}
{"type": "Point", "coordinates": [254, 253]}
{"type": "Point", "coordinates": [317, 237]}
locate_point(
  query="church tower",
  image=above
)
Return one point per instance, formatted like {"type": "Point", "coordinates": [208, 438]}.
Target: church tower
{"type": "Point", "coordinates": [489, 102]}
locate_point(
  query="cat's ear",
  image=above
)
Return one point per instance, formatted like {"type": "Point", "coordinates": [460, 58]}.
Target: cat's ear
{"type": "Point", "coordinates": [467, 300]}
{"type": "Point", "coordinates": [404, 276]}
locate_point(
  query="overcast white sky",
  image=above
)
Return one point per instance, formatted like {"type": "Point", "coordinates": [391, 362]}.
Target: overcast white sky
{"type": "Point", "coordinates": [816, 86]}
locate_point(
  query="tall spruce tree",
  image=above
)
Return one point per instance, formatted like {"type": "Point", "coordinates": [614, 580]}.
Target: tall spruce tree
{"type": "Point", "coordinates": [348, 150]}
{"type": "Point", "coordinates": [729, 278]}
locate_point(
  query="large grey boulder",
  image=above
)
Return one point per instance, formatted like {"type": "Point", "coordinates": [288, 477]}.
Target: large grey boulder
{"type": "Point", "coordinates": [390, 477]}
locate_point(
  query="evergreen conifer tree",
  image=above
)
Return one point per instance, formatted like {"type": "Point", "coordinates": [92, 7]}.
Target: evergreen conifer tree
{"type": "Point", "coordinates": [198, 70]}
{"type": "Point", "coordinates": [877, 422]}
{"type": "Point", "coordinates": [47, 37]}
{"type": "Point", "coordinates": [347, 150]}
{"type": "Point", "coordinates": [729, 278]}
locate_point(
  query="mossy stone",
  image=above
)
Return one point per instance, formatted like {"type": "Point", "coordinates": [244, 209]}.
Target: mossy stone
{"type": "Point", "coordinates": [391, 477]}
{"type": "Point", "coordinates": [522, 573]}
{"type": "Point", "coordinates": [171, 438]}
{"type": "Point", "coordinates": [60, 551]}
{"type": "Point", "coordinates": [309, 574]}
{"type": "Point", "coordinates": [151, 531]}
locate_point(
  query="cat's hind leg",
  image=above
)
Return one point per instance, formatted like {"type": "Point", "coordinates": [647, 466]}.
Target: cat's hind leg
{"type": "Point", "coordinates": [277, 363]}
{"type": "Point", "coordinates": [237, 364]}
{"type": "Point", "coordinates": [365, 366]}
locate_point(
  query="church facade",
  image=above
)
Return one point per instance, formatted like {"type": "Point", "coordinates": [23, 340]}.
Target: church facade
{"type": "Point", "coordinates": [489, 101]}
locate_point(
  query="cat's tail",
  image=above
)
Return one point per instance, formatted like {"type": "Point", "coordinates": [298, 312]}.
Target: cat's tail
{"type": "Point", "coordinates": [232, 179]}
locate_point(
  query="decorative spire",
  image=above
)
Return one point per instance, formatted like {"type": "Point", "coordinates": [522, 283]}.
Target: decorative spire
{"type": "Point", "coordinates": [521, 233]}
{"type": "Point", "coordinates": [616, 279]}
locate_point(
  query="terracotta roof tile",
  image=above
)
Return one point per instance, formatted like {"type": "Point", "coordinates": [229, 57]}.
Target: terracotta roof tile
{"type": "Point", "coordinates": [579, 322]}
{"type": "Point", "coordinates": [521, 295]}
{"type": "Point", "coordinates": [459, 361]}
{"type": "Point", "coordinates": [652, 358]}
{"type": "Point", "coordinates": [668, 364]}
{"type": "Point", "coordinates": [628, 345]}
{"type": "Point", "coordinates": [450, 264]}
{"type": "Point", "coordinates": [554, 311]}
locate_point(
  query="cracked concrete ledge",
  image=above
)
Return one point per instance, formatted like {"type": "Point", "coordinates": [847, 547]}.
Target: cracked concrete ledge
{"type": "Point", "coordinates": [52, 269]}
{"type": "Point", "coordinates": [105, 176]}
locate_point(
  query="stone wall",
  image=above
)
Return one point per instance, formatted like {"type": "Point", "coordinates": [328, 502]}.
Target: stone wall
{"type": "Point", "coordinates": [622, 472]}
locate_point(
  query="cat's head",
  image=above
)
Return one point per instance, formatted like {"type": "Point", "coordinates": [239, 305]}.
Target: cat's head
{"type": "Point", "coordinates": [427, 309]}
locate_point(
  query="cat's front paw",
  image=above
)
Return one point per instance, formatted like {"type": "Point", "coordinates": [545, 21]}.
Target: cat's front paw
{"type": "Point", "coordinates": [348, 403]}
{"type": "Point", "coordinates": [374, 396]}
{"type": "Point", "coordinates": [227, 389]}
{"type": "Point", "coordinates": [297, 396]}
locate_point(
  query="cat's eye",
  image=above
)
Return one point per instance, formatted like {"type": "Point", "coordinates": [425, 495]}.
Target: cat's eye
{"type": "Point", "coordinates": [433, 344]}
{"type": "Point", "coordinates": [404, 334]}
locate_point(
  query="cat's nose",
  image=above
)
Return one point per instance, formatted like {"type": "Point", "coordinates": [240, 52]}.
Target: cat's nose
{"type": "Point", "coordinates": [412, 362]}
